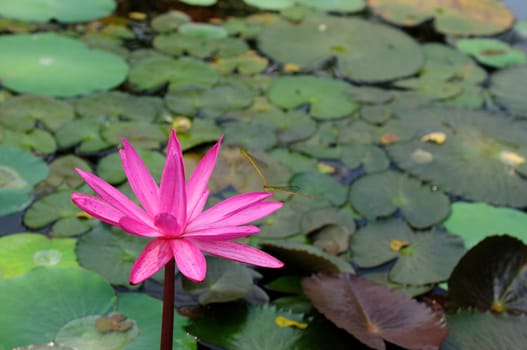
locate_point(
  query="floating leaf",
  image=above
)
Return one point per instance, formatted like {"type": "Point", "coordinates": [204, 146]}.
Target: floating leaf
{"type": "Point", "coordinates": [360, 47]}
{"type": "Point", "coordinates": [328, 98]}
{"type": "Point", "coordinates": [491, 52]}
{"type": "Point", "coordinates": [421, 258]}
{"type": "Point", "coordinates": [72, 294]}
{"type": "Point", "coordinates": [141, 134]}
{"type": "Point", "coordinates": [36, 140]}
{"type": "Point", "coordinates": [19, 172]}
{"type": "Point", "coordinates": [335, 5]}
{"type": "Point", "coordinates": [470, 162]}
{"type": "Point", "coordinates": [270, 4]}
{"type": "Point", "coordinates": [508, 88]}
{"type": "Point", "coordinates": [491, 276]}
{"type": "Point", "coordinates": [107, 170]}
{"type": "Point", "coordinates": [202, 131]}
{"type": "Point", "coordinates": [82, 132]}
{"type": "Point", "coordinates": [66, 11]}
{"type": "Point", "coordinates": [169, 21]}
{"type": "Point", "coordinates": [226, 281]}
{"type": "Point", "coordinates": [176, 44]}
{"type": "Point", "coordinates": [109, 253]}
{"type": "Point", "coordinates": [320, 186]}
{"type": "Point", "coordinates": [246, 63]}
{"type": "Point", "coordinates": [153, 72]}
{"type": "Point", "coordinates": [306, 258]}
{"type": "Point", "coordinates": [388, 191]}
{"type": "Point", "coordinates": [476, 330]}
{"type": "Point", "coordinates": [59, 66]}
{"type": "Point", "coordinates": [454, 17]}
{"type": "Point", "coordinates": [62, 172]}
{"type": "Point", "coordinates": [21, 252]}
{"type": "Point", "coordinates": [370, 157]}
{"type": "Point", "coordinates": [374, 313]}
{"type": "Point", "coordinates": [22, 112]}
{"type": "Point", "coordinates": [475, 221]}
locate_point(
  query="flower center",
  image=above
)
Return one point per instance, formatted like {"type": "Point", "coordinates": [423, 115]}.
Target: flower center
{"type": "Point", "coordinates": [168, 224]}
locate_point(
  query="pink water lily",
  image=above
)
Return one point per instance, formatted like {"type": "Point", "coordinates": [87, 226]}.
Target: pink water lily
{"type": "Point", "coordinates": [172, 214]}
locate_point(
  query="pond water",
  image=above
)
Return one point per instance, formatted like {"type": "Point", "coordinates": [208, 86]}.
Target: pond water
{"type": "Point", "coordinates": [394, 148]}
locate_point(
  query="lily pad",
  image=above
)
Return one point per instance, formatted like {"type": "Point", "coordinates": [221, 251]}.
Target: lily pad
{"type": "Point", "coordinates": [169, 21]}
{"type": "Point", "coordinates": [147, 312]}
{"type": "Point", "coordinates": [491, 277]}
{"type": "Point", "coordinates": [453, 17]}
{"type": "Point", "coordinates": [508, 88]}
{"type": "Point", "coordinates": [107, 170]}
{"type": "Point", "coordinates": [475, 221]}
{"type": "Point", "coordinates": [85, 133]}
{"type": "Point", "coordinates": [477, 330]}
{"type": "Point", "coordinates": [177, 44]}
{"type": "Point", "coordinates": [65, 11]}
{"type": "Point", "coordinates": [327, 98]}
{"type": "Point", "coordinates": [37, 140]}
{"type": "Point", "coordinates": [481, 150]}
{"type": "Point", "coordinates": [21, 252]}
{"type": "Point", "coordinates": [201, 131]}
{"type": "Point", "coordinates": [270, 4]}
{"type": "Point", "coordinates": [320, 186]}
{"type": "Point", "coordinates": [22, 112]}
{"type": "Point", "coordinates": [203, 30]}
{"type": "Point", "coordinates": [19, 172]}
{"type": "Point", "coordinates": [335, 5]}
{"type": "Point", "coordinates": [54, 65]}
{"type": "Point", "coordinates": [57, 209]}
{"type": "Point", "coordinates": [153, 72]}
{"type": "Point", "coordinates": [370, 157]}
{"type": "Point", "coordinates": [374, 313]}
{"type": "Point", "coordinates": [381, 194]}
{"type": "Point", "coordinates": [226, 281]}
{"type": "Point", "coordinates": [249, 136]}
{"type": "Point", "coordinates": [28, 300]}
{"type": "Point", "coordinates": [116, 104]}
{"type": "Point", "coordinates": [109, 253]}
{"type": "Point", "coordinates": [492, 52]}
{"type": "Point", "coordinates": [306, 258]}
{"type": "Point", "coordinates": [246, 63]}
{"type": "Point", "coordinates": [360, 47]}
{"type": "Point", "coordinates": [141, 134]}
{"type": "Point", "coordinates": [62, 172]}
{"type": "Point", "coordinates": [421, 258]}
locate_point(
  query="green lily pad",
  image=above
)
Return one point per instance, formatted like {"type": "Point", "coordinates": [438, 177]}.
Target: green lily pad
{"type": "Point", "coordinates": [199, 2]}
{"type": "Point", "coordinates": [421, 258]}
{"type": "Point", "coordinates": [249, 136]}
{"type": "Point", "coordinates": [492, 52]}
{"type": "Point", "coordinates": [85, 133]}
{"type": "Point", "coordinates": [107, 170]}
{"type": "Point", "coordinates": [105, 42]}
{"type": "Point", "coordinates": [153, 72]}
{"type": "Point", "coordinates": [201, 131]}
{"type": "Point", "coordinates": [21, 252]}
{"type": "Point", "coordinates": [28, 299]}
{"type": "Point", "coordinates": [146, 312]}
{"type": "Point", "coordinates": [490, 277]}
{"type": "Point", "coordinates": [54, 65]}
{"type": "Point", "coordinates": [54, 208]}
{"type": "Point", "coordinates": [360, 47]}
{"type": "Point", "coordinates": [116, 104]}
{"type": "Point", "coordinates": [284, 223]}
{"type": "Point", "coordinates": [246, 63]}
{"type": "Point", "coordinates": [62, 173]}
{"type": "Point", "coordinates": [460, 17]}
{"type": "Point", "coordinates": [306, 258]}
{"type": "Point", "coordinates": [294, 160]}
{"type": "Point", "coordinates": [508, 88]}
{"type": "Point", "coordinates": [203, 30]}
{"type": "Point", "coordinates": [477, 330]}
{"type": "Point", "coordinates": [335, 5]}
{"type": "Point", "coordinates": [372, 158]}
{"type": "Point", "coordinates": [245, 27]}
{"type": "Point", "coordinates": [226, 281]}
{"type": "Point", "coordinates": [176, 44]}
{"type": "Point", "coordinates": [316, 218]}
{"type": "Point", "coordinates": [169, 21]}
{"type": "Point", "coordinates": [328, 98]}
{"type": "Point", "coordinates": [381, 194]}
{"type": "Point", "coordinates": [65, 11]}
{"type": "Point", "coordinates": [409, 290]}
{"type": "Point", "coordinates": [322, 144]}
{"type": "Point", "coordinates": [211, 102]}
{"type": "Point", "coordinates": [480, 150]}
{"type": "Point", "coordinates": [320, 186]}
{"type": "Point", "coordinates": [22, 112]}
{"type": "Point", "coordinates": [270, 4]}
{"type": "Point", "coordinates": [475, 221]}
{"type": "Point", "coordinates": [38, 141]}
{"type": "Point", "coordinates": [109, 253]}
{"type": "Point", "coordinates": [19, 172]}
{"type": "Point", "coordinates": [374, 313]}
{"type": "Point", "coordinates": [140, 134]}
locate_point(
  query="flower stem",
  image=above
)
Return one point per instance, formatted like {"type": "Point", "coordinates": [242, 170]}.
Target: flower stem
{"type": "Point", "coordinates": [167, 327]}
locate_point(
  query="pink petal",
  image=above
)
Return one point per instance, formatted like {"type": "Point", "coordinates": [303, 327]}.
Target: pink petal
{"type": "Point", "coordinates": [197, 184]}
{"type": "Point", "coordinates": [189, 260]}
{"type": "Point", "coordinates": [239, 252]}
{"type": "Point", "coordinates": [97, 208]}
{"type": "Point", "coordinates": [173, 197]}
{"type": "Point", "coordinates": [113, 196]}
{"type": "Point", "coordinates": [223, 233]}
{"type": "Point", "coordinates": [138, 228]}
{"type": "Point", "coordinates": [156, 254]}
{"type": "Point", "coordinates": [168, 224]}
{"type": "Point", "coordinates": [198, 207]}
{"type": "Point", "coordinates": [253, 213]}
{"type": "Point", "coordinates": [227, 208]}
{"type": "Point", "coordinates": [142, 183]}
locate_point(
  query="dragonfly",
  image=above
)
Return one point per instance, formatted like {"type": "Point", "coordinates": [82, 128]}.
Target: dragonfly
{"type": "Point", "coordinates": [266, 186]}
